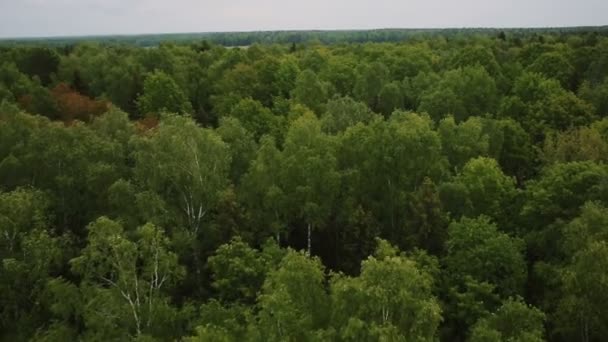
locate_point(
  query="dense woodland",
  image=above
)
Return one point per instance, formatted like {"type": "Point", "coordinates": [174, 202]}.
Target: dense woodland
{"type": "Point", "coordinates": [320, 36]}
{"type": "Point", "coordinates": [449, 188]}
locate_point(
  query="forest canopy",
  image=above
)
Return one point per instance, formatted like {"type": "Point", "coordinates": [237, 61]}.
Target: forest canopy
{"type": "Point", "coordinates": [346, 186]}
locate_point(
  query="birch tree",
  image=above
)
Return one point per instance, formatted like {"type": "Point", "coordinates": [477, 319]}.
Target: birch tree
{"type": "Point", "coordinates": [513, 321]}
{"type": "Point", "coordinates": [21, 211]}
{"type": "Point", "coordinates": [124, 281]}
{"type": "Point", "coordinates": [186, 165]}
{"type": "Point", "coordinates": [293, 302]}
{"type": "Point", "coordinates": [391, 300]}
{"type": "Point", "coordinates": [309, 175]}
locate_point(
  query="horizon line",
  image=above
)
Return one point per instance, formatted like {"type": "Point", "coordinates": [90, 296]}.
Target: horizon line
{"type": "Point", "coordinates": [100, 35]}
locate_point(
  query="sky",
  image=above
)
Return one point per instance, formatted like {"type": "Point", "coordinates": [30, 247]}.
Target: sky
{"type": "Point", "coordinates": [42, 18]}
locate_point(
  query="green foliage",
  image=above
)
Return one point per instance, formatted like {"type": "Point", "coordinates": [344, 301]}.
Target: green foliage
{"type": "Point", "coordinates": [256, 118]}
{"type": "Point", "coordinates": [476, 248]}
{"type": "Point", "coordinates": [582, 275]}
{"type": "Point", "coordinates": [176, 215]}
{"type": "Point", "coordinates": [344, 112]}
{"type": "Point", "coordinates": [21, 211]}
{"type": "Point", "coordinates": [581, 144]}
{"type": "Point", "coordinates": [461, 142]}
{"type": "Point", "coordinates": [554, 65]}
{"type": "Point", "coordinates": [239, 271]}
{"type": "Point", "coordinates": [426, 220]}
{"type": "Point", "coordinates": [124, 281]}
{"type": "Point", "coordinates": [462, 92]}
{"type": "Point", "coordinates": [30, 254]}
{"type": "Point", "coordinates": [390, 98]}
{"type": "Point", "coordinates": [517, 155]}
{"type": "Point", "coordinates": [370, 82]}
{"type": "Point", "coordinates": [293, 302]}
{"type": "Point", "coordinates": [162, 94]}
{"type": "Point", "coordinates": [561, 190]}
{"type": "Point", "coordinates": [513, 321]}
{"type": "Point", "coordinates": [540, 104]}
{"type": "Point", "coordinates": [40, 62]}
{"type": "Point", "coordinates": [310, 91]}
{"type": "Point", "coordinates": [241, 143]}
{"type": "Point", "coordinates": [380, 179]}
{"type": "Point", "coordinates": [186, 165]}
{"type": "Point", "coordinates": [596, 95]}
{"type": "Point", "coordinates": [390, 300]}
{"type": "Point", "coordinates": [308, 173]}
{"type": "Point", "coordinates": [476, 55]}
{"type": "Point", "coordinates": [481, 188]}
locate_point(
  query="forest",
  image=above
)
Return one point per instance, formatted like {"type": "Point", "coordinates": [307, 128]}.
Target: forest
{"type": "Point", "coordinates": [447, 187]}
{"type": "Point", "coordinates": [247, 38]}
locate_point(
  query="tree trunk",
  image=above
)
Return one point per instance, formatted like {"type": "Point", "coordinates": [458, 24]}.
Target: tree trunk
{"type": "Point", "coordinates": [309, 238]}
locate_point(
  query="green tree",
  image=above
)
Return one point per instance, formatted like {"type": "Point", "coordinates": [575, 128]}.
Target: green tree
{"type": "Point", "coordinates": [582, 304]}
{"type": "Point", "coordinates": [310, 91]}
{"type": "Point", "coordinates": [390, 300]}
{"type": "Point", "coordinates": [124, 282]}
{"type": "Point", "coordinates": [256, 118]}
{"type": "Point", "coordinates": [262, 190]}
{"type": "Point", "coordinates": [30, 254]}
{"type": "Point", "coordinates": [242, 146]}
{"type": "Point", "coordinates": [21, 211]}
{"type": "Point", "coordinates": [584, 143]}
{"type": "Point", "coordinates": [384, 161]}
{"type": "Point", "coordinates": [293, 303]}
{"type": "Point", "coordinates": [390, 98]}
{"type": "Point", "coordinates": [286, 76]}
{"type": "Point", "coordinates": [309, 174]}
{"type": "Point", "coordinates": [561, 190]}
{"type": "Point", "coordinates": [472, 55]}
{"type": "Point", "coordinates": [341, 74]}
{"type": "Point", "coordinates": [554, 65]}
{"type": "Point", "coordinates": [462, 92]}
{"type": "Point", "coordinates": [186, 165]}
{"type": "Point", "coordinates": [596, 95]}
{"type": "Point", "coordinates": [517, 154]}
{"type": "Point", "coordinates": [41, 62]}
{"type": "Point", "coordinates": [481, 188]}
{"type": "Point", "coordinates": [343, 112]}
{"type": "Point", "coordinates": [370, 81]}
{"type": "Point", "coordinates": [476, 248]}
{"type": "Point", "coordinates": [540, 104]}
{"type": "Point", "coordinates": [162, 94]}
{"type": "Point", "coordinates": [482, 265]}
{"type": "Point", "coordinates": [513, 321]}
{"type": "Point", "coordinates": [585, 299]}
{"type": "Point", "coordinates": [181, 172]}
{"type": "Point", "coordinates": [464, 141]}
{"type": "Point", "coordinates": [426, 221]}
{"type": "Point", "coordinates": [239, 270]}
{"type": "Point", "coordinates": [220, 322]}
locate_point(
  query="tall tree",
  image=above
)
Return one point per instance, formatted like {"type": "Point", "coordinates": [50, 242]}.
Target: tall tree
{"type": "Point", "coordinates": [293, 302]}
{"type": "Point", "coordinates": [310, 91]}
{"type": "Point", "coordinates": [390, 300]}
{"type": "Point", "coordinates": [162, 94]}
{"type": "Point", "coordinates": [124, 282]}
{"type": "Point", "coordinates": [309, 175]}
{"type": "Point", "coordinates": [186, 165]}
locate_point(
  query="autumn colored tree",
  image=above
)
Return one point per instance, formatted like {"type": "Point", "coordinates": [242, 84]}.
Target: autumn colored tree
{"type": "Point", "coordinates": [74, 106]}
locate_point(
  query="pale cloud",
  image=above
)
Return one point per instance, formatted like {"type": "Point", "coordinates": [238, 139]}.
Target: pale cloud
{"type": "Point", "coordinates": [84, 17]}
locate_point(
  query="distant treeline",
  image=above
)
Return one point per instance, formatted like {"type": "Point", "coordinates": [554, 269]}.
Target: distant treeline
{"type": "Point", "coordinates": [285, 37]}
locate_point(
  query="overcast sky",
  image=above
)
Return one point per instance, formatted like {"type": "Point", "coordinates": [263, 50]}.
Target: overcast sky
{"type": "Point", "coordinates": [23, 18]}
